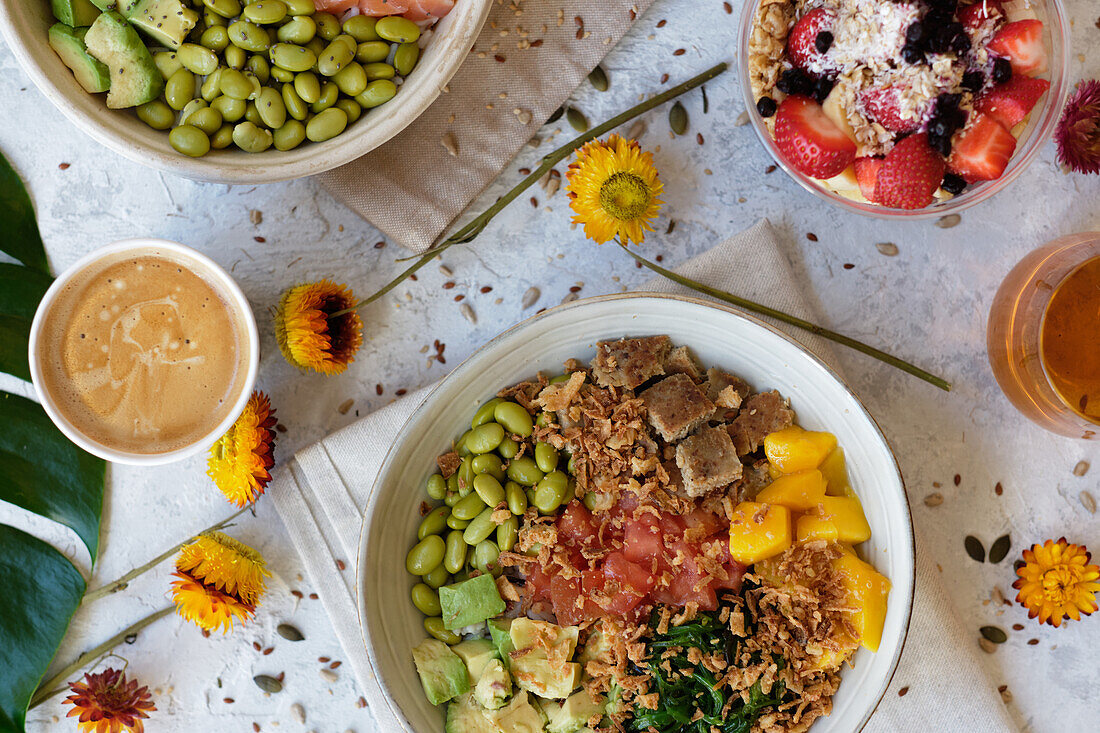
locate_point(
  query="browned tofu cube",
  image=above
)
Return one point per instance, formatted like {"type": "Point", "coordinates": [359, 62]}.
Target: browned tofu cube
{"type": "Point", "coordinates": [630, 362]}
{"type": "Point", "coordinates": [707, 461]}
{"type": "Point", "coordinates": [760, 414]}
{"type": "Point", "coordinates": [680, 361]}
{"type": "Point", "coordinates": [676, 406]}
{"type": "Point", "coordinates": [721, 388]}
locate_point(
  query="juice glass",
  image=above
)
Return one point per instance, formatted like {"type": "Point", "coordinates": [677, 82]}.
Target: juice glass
{"type": "Point", "coordinates": [1044, 336]}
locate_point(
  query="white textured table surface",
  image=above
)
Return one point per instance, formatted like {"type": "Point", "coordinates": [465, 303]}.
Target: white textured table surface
{"type": "Point", "coordinates": [928, 304]}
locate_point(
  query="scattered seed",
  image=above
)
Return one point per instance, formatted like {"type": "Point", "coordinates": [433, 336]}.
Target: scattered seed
{"type": "Point", "coordinates": [933, 499]}
{"type": "Point", "coordinates": [485, 289]}
{"type": "Point", "coordinates": [664, 78]}
{"type": "Point", "coordinates": [974, 548]}
{"type": "Point", "coordinates": [958, 479]}
{"type": "Point", "coordinates": [1017, 627]}
{"type": "Point", "coordinates": [770, 169]}
{"type": "Point", "coordinates": [341, 565]}
{"type": "Point", "coordinates": [598, 79]}
{"type": "Point", "coordinates": [329, 676]}
{"type": "Point", "coordinates": [728, 8]}
{"type": "Point", "coordinates": [268, 650]}
{"type": "Point", "coordinates": [379, 245]}
{"type": "Point", "coordinates": [313, 596]}
{"type": "Point", "coordinates": [256, 727]}
{"type": "Point", "coordinates": [63, 166]}
{"type": "Point", "coordinates": [361, 702]}
{"type": "Point", "coordinates": [1087, 501]}
{"type": "Point", "coordinates": [576, 119]}
{"type": "Point", "coordinates": [742, 120]}
{"type": "Point", "coordinates": [530, 297]}
{"type": "Point", "coordinates": [903, 691]}
{"type": "Point", "coordinates": [290, 633]}
{"type": "Point", "coordinates": [678, 119]}
{"type": "Point", "coordinates": [448, 285]}
{"type": "Point", "coordinates": [849, 266]}
{"type": "Point", "coordinates": [324, 660]}
{"type": "Point", "coordinates": [998, 489]}
{"type": "Point", "coordinates": [297, 594]}
{"type": "Point", "coordinates": [256, 216]}
{"type": "Point", "coordinates": [228, 700]}
{"type": "Point", "coordinates": [450, 143]}
{"type": "Point", "coordinates": [1006, 696]}
{"type": "Point", "coordinates": [999, 597]}
{"type": "Point", "coordinates": [345, 406]}
{"type": "Point", "coordinates": [556, 115]}
{"type": "Point", "coordinates": [671, 226]}
{"type": "Point", "coordinates": [335, 665]}
{"type": "Point", "coordinates": [1032, 642]}
{"type": "Point", "coordinates": [811, 236]}
{"type": "Point", "coordinates": [267, 683]}
{"type": "Point", "coordinates": [256, 646]}
{"type": "Point", "coordinates": [994, 634]}
{"type": "Point", "coordinates": [887, 248]}
{"type": "Point", "coordinates": [1081, 468]}
{"type": "Point", "coordinates": [468, 313]}
{"type": "Point", "coordinates": [299, 713]}
{"type": "Point", "coordinates": [679, 52]}
{"type": "Point", "coordinates": [946, 222]}
{"type": "Point", "coordinates": [378, 389]}
{"type": "Point", "coordinates": [999, 549]}
{"type": "Point", "coordinates": [987, 646]}
{"type": "Point", "coordinates": [637, 130]}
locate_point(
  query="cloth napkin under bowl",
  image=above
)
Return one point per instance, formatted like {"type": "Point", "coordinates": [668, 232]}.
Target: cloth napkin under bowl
{"type": "Point", "coordinates": [320, 496]}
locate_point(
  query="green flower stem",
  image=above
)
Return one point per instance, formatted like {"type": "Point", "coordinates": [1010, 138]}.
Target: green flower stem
{"type": "Point", "coordinates": [475, 227]}
{"type": "Point", "coordinates": [791, 320]}
{"type": "Point", "coordinates": [55, 685]}
{"type": "Point", "coordinates": [124, 581]}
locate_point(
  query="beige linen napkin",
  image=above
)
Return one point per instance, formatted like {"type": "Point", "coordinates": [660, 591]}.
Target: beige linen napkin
{"type": "Point", "coordinates": [321, 494]}
{"type": "Point", "coordinates": [530, 57]}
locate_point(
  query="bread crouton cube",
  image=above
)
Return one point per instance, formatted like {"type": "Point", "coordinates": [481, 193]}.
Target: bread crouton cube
{"type": "Point", "coordinates": [680, 361]}
{"type": "Point", "coordinates": [721, 385]}
{"type": "Point", "coordinates": [761, 414]}
{"type": "Point", "coordinates": [630, 362]}
{"type": "Point", "coordinates": [676, 406]}
{"type": "Point", "coordinates": [707, 461]}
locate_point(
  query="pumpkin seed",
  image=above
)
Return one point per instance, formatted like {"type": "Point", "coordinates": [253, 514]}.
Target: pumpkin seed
{"type": "Point", "coordinates": [289, 632]}
{"type": "Point", "coordinates": [999, 549]}
{"type": "Point", "coordinates": [576, 119]}
{"type": "Point", "coordinates": [994, 634]}
{"type": "Point", "coordinates": [268, 684]}
{"type": "Point", "coordinates": [974, 548]}
{"type": "Point", "coordinates": [556, 115]}
{"type": "Point", "coordinates": [678, 119]}
{"type": "Point", "coordinates": [598, 79]}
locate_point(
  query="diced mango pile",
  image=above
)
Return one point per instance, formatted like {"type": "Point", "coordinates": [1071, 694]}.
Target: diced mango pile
{"type": "Point", "coordinates": [810, 499]}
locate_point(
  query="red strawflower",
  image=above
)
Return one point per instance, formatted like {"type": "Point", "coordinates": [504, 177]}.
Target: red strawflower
{"type": "Point", "coordinates": [1078, 132]}
{"type": "Point", "coordinates": [109, 703]}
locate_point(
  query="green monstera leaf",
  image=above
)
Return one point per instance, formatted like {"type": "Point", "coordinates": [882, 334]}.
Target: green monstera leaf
{"type": "Point", "coordinates": [41, 590]}
{"type": "Point", "coordinates": [19, 234]}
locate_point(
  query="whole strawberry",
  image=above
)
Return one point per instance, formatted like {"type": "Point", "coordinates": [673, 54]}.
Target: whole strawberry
{"type": "Point", "coordinates": [804, 47]}
{"type": "Point", "coordinates": [809, 140]}
{"type": "Point", "coordinates": [910, 174]}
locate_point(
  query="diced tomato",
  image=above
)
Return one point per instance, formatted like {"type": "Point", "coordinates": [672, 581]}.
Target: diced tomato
{"type": "Point", "coordinates": [380, 7]}
{"type": "Point", "coordinates": [642, 541]}
{"type": "Point", "coordinates": [736, 572]}
{"type": "Point", "coordinates": [564, 593]}
{"type": "Point", "coordinates": [575, 524]}
{"type": "Point", "coordinates": [710, 523]}
{"type": "Point", "coordinates": [683, 591]}
{"type": "Point", "coordinates": [632, 577]}
{"type": "Point", "coordinates": [537, 587]}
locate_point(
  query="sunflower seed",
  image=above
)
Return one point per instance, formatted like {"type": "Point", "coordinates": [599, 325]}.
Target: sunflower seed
{"type": "Point", "coordinates": [994, 634]}
{"type": "Point", "coordinates": [552, 186]}
{"type": "Point", "coordinates": [946, 222]}
{"type": "Point", "coordinates": [1081, 468]}
{"type": "Point", "coordinates": [678, 119]}
{"type": "Point", "coordinates": [933, 499]}
{"type": "Point", "coordinates": [299, 713]}
{"type": "Point", "coordinates": [1088, 502]}
{"type": "Point", "coordinates": [468, 313]}
{"type": "Point", "coordinates": [556, 115]}
{"type": "Point", "coordinates": [987, 646]}
{"type": "Point", "coordinates": [742, 120]}
{"type": "Point", "coordinates": [268, 684]}
{"type": "Point", "coordinates": [256, 216]}
{"type": "Point", "coordinates": [598, 79]}
{"type": "Point", "coordinates": [329, 676]}
{"type": "Point", "coordinates": [637, 130]}
{"type": "Point", "coordinates": [576, 119]}
{"type": "Point", "coordinates": [974, 548]}
{"type": "Point", "coordinates": [569, 298]}
{"type": "Point", "coordinates": [999, 549]}
{"type": "Point", "coordinates": [345, 406]}
{"type": "Point", "coordinates": [887, 248]}
{"type": "Point", "coordinates": [450, 143]}
{"type": "Point", "coordinates": [290, 633]}
{"type": "Point", "coordinates": [530, 297]}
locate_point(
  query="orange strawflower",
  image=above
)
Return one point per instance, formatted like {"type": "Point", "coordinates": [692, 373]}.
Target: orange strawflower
{"type": "Point", "coordinates": [308, 333]}
{"type": "Point", "coordinates": [220, 580]}
{"type": "Point", "coordinates": [109, 703]}
{"type": "Point", "coordinates": [1056, 582]}
{"type": "Point", "coordinates": [239, 462]}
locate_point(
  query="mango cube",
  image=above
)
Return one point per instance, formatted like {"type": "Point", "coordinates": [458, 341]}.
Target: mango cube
{"type": "Point", "coordinates": [794, 449]}
{"type": "Point", "coordinates": [810, 527]}
{"type": "Point", "coordinates": [800, 491]}
{"type": "Point", "coordinates": [847, 514]}
{"type": "Point", "coordinates": [835, 470]}
{"type": "Point", "coordinates": [759, 531]}
{"type": "Point", "coordinates": [867, 590]}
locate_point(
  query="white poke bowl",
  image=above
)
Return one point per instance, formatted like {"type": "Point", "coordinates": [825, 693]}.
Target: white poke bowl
{"type": "Point", "coordinates": [25, 25]}
{"type": "Point", "coordinates": [718, 336]}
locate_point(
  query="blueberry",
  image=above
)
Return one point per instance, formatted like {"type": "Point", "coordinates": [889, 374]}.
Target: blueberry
{"type": "Point", "coordinates": [822, 87]}
{"type": "Point", "coordinates": [766, 106]}
{"type": "Point", "coordinates": [940, 143]}
{"type": "Point", "coordinates": [795, 81]}
{"type": "Point", "coordinates": [973, 81]}
{"type": "Point", "coordinates": [823, 41]}
{"type": "Point", "coordinates": [939, 127]}
{"type": "Point", "coordinates": [914, 34]}
{"type": "Point", "coordinates": [1002, 71]}
{"type": "Point", "coordinates": [960, 44]}
{"type": "Point", "coordinates": [948, 101]}
{"type": "Point", "coordinates": [953, 184]}
{"type": "Point", "coordinates": [912, 54]}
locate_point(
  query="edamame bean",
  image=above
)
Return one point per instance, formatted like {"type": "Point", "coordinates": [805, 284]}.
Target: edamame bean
{"type": "Point", "coordinates": [516, 498]}
{"type": "Point", "coordinates": [435, 627]}
{"type": "Point", "coordinates": [454, 559]}
{"type": "Point", "coordinates": [369, 52]}
{"type": "Point", "coordinates": [437, 578]}
{"type": "Point", "coordinates": [347, 41]}
{"type": "Point", "coordinates": [351, 108]}
{"type": "Point", "coordinates": [317, 45]}
{"type": "Point", "coordinates": [485, 438]}
{"type": "Point", "coordinates": [455, 523]}
{"type": "Point", "coordinates": [335, 57]}
{"type": "Point", "coordinates": [469, 507]}
{"type": "Point", "coordinates": [425, 599]}
{"type": "Point", "coordinates": [351, 79]}
{"type": "Point", "coordinates": [179, 89]}
{"type": "Point", "coordinates": [295, 107]}
{"type": "Point", "coordinates": [234, 84]}
{"type": "Point", "coordinates": [546, 457]}
{"type": "Point", "coordinates": [489, 463]}
{"type": "Point", "coordinates": [598, 501]}
{"type": "Point", "coordinates": [235, 57]}
{"type": "Point", "coordinates": [298, 30]}
{"type": "Point", "coordinates": [329, 94]}
{"type": "Point", "coordinates": [196, 59]}
{"type": "Point", "coordinates": [544, 418]}
{"type": "Point", "coordinates": [265, 12]}
{"type": "Point", "coordinates": [484, 413]}
{"type": "Point", "coordinates": [327, 25]}
{"type": "Point", "coordinates": [257, 87]}
{"type": "Point", "coordinates": [508, 449]}
{"type": "Point", "coordinates": [292, 58]}
{"type": "Point", "coordinates": [223, 138]}
{"type": "Point", "coordinates": [307, 86]}
{"type": "Point", "coordinates": [224, 8]}
{"type": "Point", "coordinates": [215, 37]}
{"type": "Point", "coordinates": [300, 7]}
{"type": "Point", "coordinates": [211, 19]}
{"type": "Point", "coordinates": [524, 471]}
{"type": "Point", "coordinates": [282, 75]}
{"type": "Point", "coordinates": [251, 138]}
{"type": "Point", "coordinates": [405, 58]}
{"type": "Point", "coordinates": [529, 492]}
{"type": "Point", "coordinates": [551, 492]}
{"type": "Point", "coordinates": [560, 378]}
{"type": "Point", "coordinates": [361, 28]}
{"type": "Point", "coordinates": [480, 527]}
{"type": "Point", "coordinates": [190, 108]}
{"type": "Point", "coordinates": [437, 487]}
{"type": "Point", "coordinates": [252, 114]}
{"type": "Point", "coordinates": [434, 522]}
{"type": "Point", "coordinates": [378, 71]}
{"type": "Point", "coordinates": [507, 533]}
{"type": "Point", "coordinates": [397, 29]}
{"type": "Point", "coordinates": [460, 444]}
{"type": "Point", "coordinates": [426, 555]}
{"type": "Point", "coordinates": [452, 498]}
{"type": "Point", "coordinates": [157, 115]}
{"type": "Point", "coordinates": [452, 482]}
{"type": "Point", "coordinates": [258, 65]}
{"type": "Point", "coordinates": [249, 36]}
{"type": "Point", "coordinates": [486, 554]}
{"type": "Point", "coordinates": [271, 108]}
{"type": "Point", "coordinates": [514, 418]}
{"type": "Point", "coordinates": [377, 93]}
{"type": "Point", "coordinates": [466, 477]}
{"type": "Point", "coordinates": [167, 63]}
{"type": "Point", "coordinates": [489, 489]}
{"type": "Point", "coordinates": [206, 119]}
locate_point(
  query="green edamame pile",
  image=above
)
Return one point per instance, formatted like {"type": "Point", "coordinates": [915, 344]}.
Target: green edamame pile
{"type": "Point", "coordinates": [274, 73]}
{"type": "Point", "coordinates": [503, 471]}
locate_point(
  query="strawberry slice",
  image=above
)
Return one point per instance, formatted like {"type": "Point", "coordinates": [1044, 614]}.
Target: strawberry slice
{"type": "Point", "coordinates": [1022, 43]}
{"type": "Point", "coordinates": [972, 16]}
{"type": "Point", "coordinates": [884, 106]}
{"type": "Point", "coordinates": [1010, 103]}
{"type": "Point", "coordinates": [867, 176]}
{"type": "Point", "coordinates": [910, 174]}
{"type": "Point", "coordinates": [802, 41]}
{"type": "Point", "coordinates": [809, 140]}
{"type": "Point", "coordinates": [982, 150]}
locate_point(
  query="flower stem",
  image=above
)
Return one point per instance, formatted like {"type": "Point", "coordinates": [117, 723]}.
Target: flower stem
{"type": "Point", "coordinates": [122, 582]}
{"type": "Point", "coordinates": [791, 320]}
{"type": "Point", "coordinates": [49, 688]}
{"type": "Point", "coordinates": [474, 228]}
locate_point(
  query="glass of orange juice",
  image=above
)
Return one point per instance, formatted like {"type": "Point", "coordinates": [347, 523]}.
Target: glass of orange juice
{"type": "Point", "coordinates": [1044, 335]}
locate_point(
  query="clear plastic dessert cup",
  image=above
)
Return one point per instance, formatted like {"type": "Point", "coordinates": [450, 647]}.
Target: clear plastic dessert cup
{"type": "Point", "coordinates": [1040, 124]}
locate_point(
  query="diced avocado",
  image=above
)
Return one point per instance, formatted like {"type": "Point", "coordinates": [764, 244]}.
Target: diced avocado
{"type": "Point", "coordinates": [135, 79]}
{"type": "Point", "coordinates": [476, 653]}
{"type": "Point", "coordinates": [470, 602]}
{"type": "Point", "coordinates": [68, 44]}
{"type": "Point", "coordinates": [541, 663]}
{"type": "Point", "coordinates": [165, 21]}
{"type": "Point", "coordinates": [442, 672]}
{"type": "Point", "coordinates": [121, 6]}
{"type": "Point", "coordinates": [574, 713]}
{"type": "Point", "coordinates": [494, 686]}
{"type": "Point", "coordinates": [522, 715]}
{"type": "Point", "coordinates": [75, 12]}
{"type": "Point", "coordinates": [466, 716]}
{"type": "Point", "coordinates": [499, 630]}
{"type": "Point", "coordinates": [614, 701]}
{"type": "Point", "coordinates": [596, 647]}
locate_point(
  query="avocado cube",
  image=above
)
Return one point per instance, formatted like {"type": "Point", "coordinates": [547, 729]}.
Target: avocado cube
{"type": "Point", "coordinates": [522, 715]}
{"type": "Point", "coordinates": [574, 713]}
{"type": "Point", "coordinates": [499, 630]}
{"type": "Point", "coordinates": [165, 21]}
{"type": "Point", "coordinates": [494, 686]}
{"type": "Point", "coordinates": [74, 12]}
{"type": "Point", "coordinates": [442, 672]}
{"type": "Point", "coordinates": [135, 79]}
{"type": "Point", "coordinates": [540, 664]}
{"type": "Point", "coordinates": [470, 602]}
{"type": "Point", "coordinates": [466, 716]}
{"type": "Point", "coordinates": [476, 653]}
{"type": "Point", "coordinates": [68, 44]}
